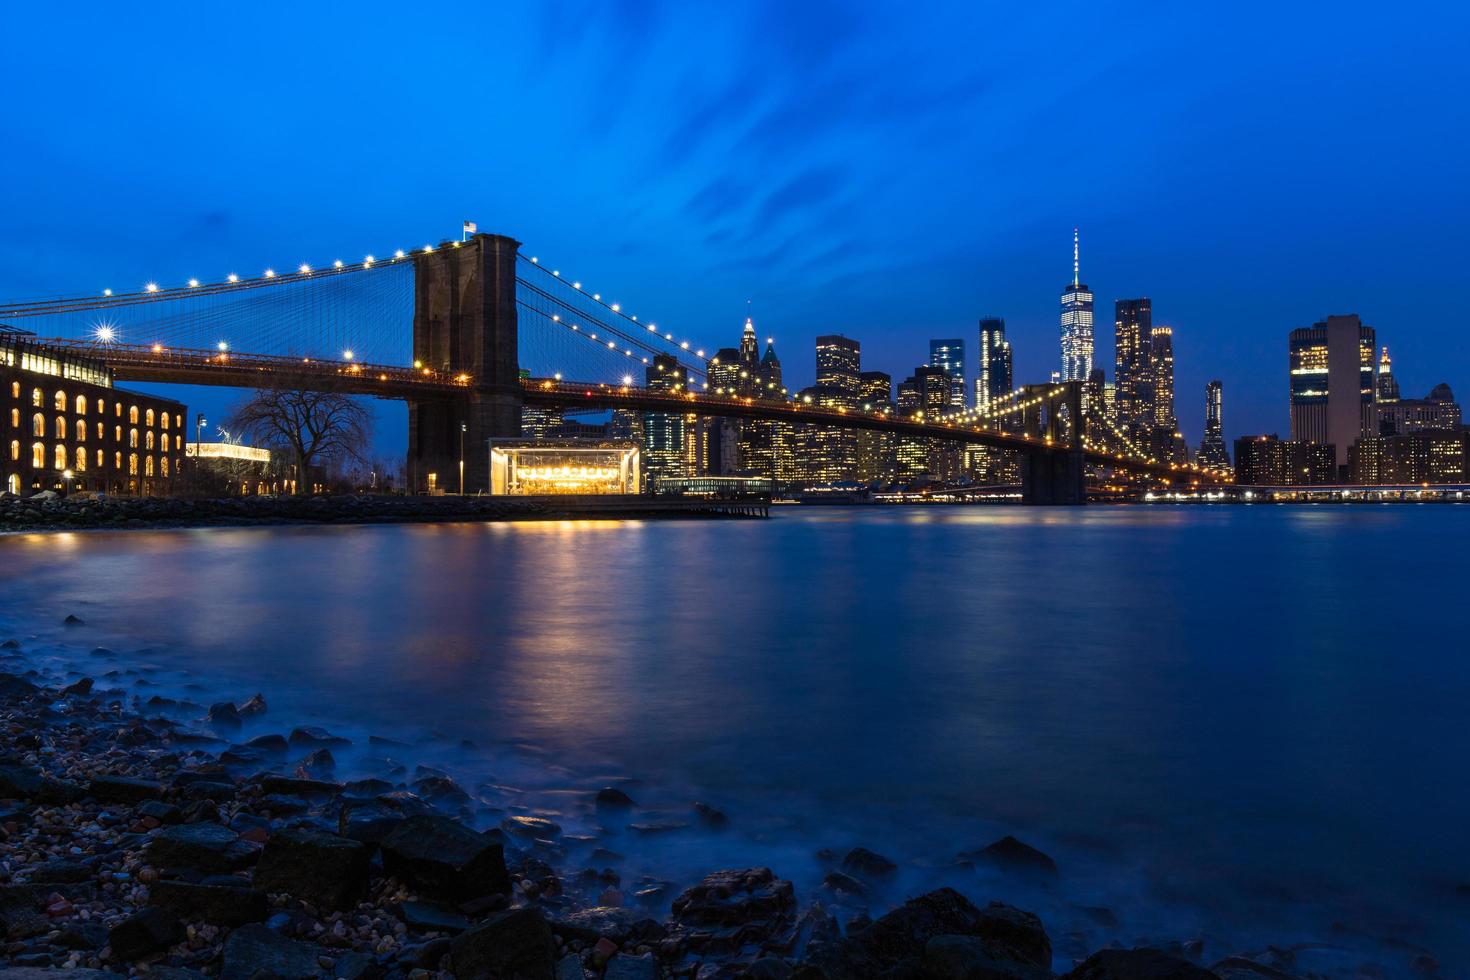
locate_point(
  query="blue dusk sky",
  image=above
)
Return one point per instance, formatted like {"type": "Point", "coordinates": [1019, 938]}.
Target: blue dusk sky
{"type": "Point", "coordinates": [887, 171]}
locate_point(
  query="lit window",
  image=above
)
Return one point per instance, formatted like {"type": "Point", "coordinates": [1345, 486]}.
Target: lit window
{"type": "Point", "coordinates": [164, 419]}
{"type": "Point", "coordinates": [117, 433]}
{"type": "Point", "coordinates": [15, 449]}
{"type": "Point", "coordinates": [38, 456]}
{"type": "Point", "coordinates": [163, 463]}
{"type": "Point", "coordinates": [148, 438]}
{"type": "Point", "coordinates": [36, 396]}
{"type": "Point", "coordinates": [117, 409]}
{"type": "Point", "coordinates": [15, 418]}
{"type": "Point", "coordinates": [148, 419]}
{"type": "Point", "coordinates": [132, 438]}
{"type": "Point", "coordinates": [117, 461]}
{"type": "Point", "coordinates": [178, 443]}
{"type": "Point", "coordinates": [81, 432]}
{"type": "Point", "coordinates": [60, 427]}
{"type": "Point", "coordinates": [81, 404]}
{"type": "Point", "coordinates": [132, 464]}
{"type": "Point", "coordinates": [59, 457]}
{"type": "Point", "coordinates": [60, 401]}
{"type": "Point", "coordinates": [15, 389]}
{"type": "Point", "coordinates": [133, 414]}
{"type": "Point", "coordinates": [101, 459]}
{"type": "Point", "coordinates": [100, 432]}
{"type": "Point", "coordinates": [38, 424]}
{"type": "Point", "coordinates": [101, 407]}
{"type": "Point", "coordinates": [148, 466]}
{"type": "Point", "coordinates": [81, 461]}
{"type": "Point", "coordinates": [13, 483]}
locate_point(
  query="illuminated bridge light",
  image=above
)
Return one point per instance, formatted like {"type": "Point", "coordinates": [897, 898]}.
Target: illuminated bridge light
{"type": "Point", "coordinates": [193, 283]}
{"type": "Point", "coordinates": [368, 261]}
{"type": "Point", "coordinates": [106, 292]}
{"type": "Point", "coordinates": [223, 346]}
{"type": "Point", "coordinates": [270, 273]}
{"type": "Point", "coordinates": [337, 264]}
{"type": "Point", "coordinates": [304, 269]}
{"type": "Point", "coordinates": [152, 287]}
{"type": "Point", "coordinates": [232, 277]}
{"type": "Point", "coordinates": [398, 254]}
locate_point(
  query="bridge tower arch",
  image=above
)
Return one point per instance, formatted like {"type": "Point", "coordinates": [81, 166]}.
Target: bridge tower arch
{"type": "Point", "coordinates": [464, 322]}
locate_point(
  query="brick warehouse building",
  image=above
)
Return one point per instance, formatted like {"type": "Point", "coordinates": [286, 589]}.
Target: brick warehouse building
{"type": "Point", "coordinates": [62, 415]}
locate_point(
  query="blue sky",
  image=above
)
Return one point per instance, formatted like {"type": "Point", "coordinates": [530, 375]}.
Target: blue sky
{"type": "Point", "coordinates": [889, 171]}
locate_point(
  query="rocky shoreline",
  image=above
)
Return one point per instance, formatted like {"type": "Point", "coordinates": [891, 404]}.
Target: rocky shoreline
{"type": "Point", "coordinates": [48, 511]}
{"type": "Point", "coordinates": [134, 842]}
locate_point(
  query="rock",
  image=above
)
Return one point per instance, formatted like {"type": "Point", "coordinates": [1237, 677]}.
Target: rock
{"type": "Point", "coordinates": [865, 864]}
{"type": "Point", "coordinates": [254, 950]}
{"type": "Point", "coordinates": [624, 967]}
{"type": "Point", "coordinates": [711, 817]}
{"type": "Point", "coordinates": [844, 884]}
{"type": "Point", "coordinates": [427, 956]}
{"type": "Point", "coordinates": [530, 827]}
{"type": "Point", "coordinates": [318, 764]}
{"type": "Point", "coordinates": [604, 922]}
{"type": "Point", "coordinates": [45, 973]}
{"type": "Point", "coordinates": [367, 821]}
{"type": "Point", "coordinates": [444, 859]}
{"type": "Point", "coordinates": [969, 958]}
{"type": "Point", "coordinates": [143, 932]}
{"type": "Point", "coordinates": [569, 967]}
{"type": "Point", "coordinates": [612, 798]}
{"type": "Point", "coordinates": [217, 904]}
{"type": "Point", "coordinates": [427, 917]}
{"type": "Point", "coordinates": [513, 944]}
{"type": "Point", "coordinates": [311, 737]}
{"type": "Point", "coordinates": [1240, 968]}
{"type": "Point", "coordinates": [123, 789]}
{"type": "Point", "coordinates": [289, 786]}
{"type": "Point", "coordinates": [1137, 964]}
{"type": "Point", "coordinates": [1009, 854]}
{"type": "Point", "coordinates": [72, 620]}
{"type": "Point", "coordinates": [201, 846]}
{"type": "Point", "coordinates": [274, 744]}
{"type": "Point", "coordinates": [223, 715]}
{"type": "Point", "coordinates": [1010, 939]}
{"type": "Point", "coordinates": [60, 872]}
{"type": "Point", "coordinates": [22, 782]}
{"type": "Point", "coordinates": [321, 868]}
{"type": "Point", "coordinates": [441, 791]}
{"type": "Point", "coordinates": [728, 909]}
{"type": "Point", "coordinates": [201, 811]}
{"type": "Point", "coordinates": [83, 935]}
{"type": "Point", "coordinates": [81, 687]}
{"type": "Point", "coordinates": [253, 707]}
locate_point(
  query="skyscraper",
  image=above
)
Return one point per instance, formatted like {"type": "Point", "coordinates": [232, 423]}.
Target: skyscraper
{"type": "Point", "coordinates": [1161, 367]}
{"type": "Point", "coordinates": [1133, 326]}
{"type": "Point", "coordinates": [664, 450]}
{"type": "Point", "coordinates": [949, 356]}
{"type": "Point", "coordinates": [1212, 451]}
{"type": "Point", "coordinates": [839, 362]}
{"type": "Point", "coordinates": [994, 383]}
{"type": "Point", "coordinates": [1388, 385]}
{"type": "Point", "coordinates": [1076, 324]}
{"type": "Point", "coordinates": [1332, 383]}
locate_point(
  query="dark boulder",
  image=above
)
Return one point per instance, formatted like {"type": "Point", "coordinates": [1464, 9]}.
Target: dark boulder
{"type": "Point", "coordinates": [612, 798]}
{"type": "Point", "coordinates": [318, 764]}
{"type": "Point", "coordinates": [711, 817]}
{"type": "Point", "coordinates": [274, 744]}
{"type": "Point", "coordinates": [201, 846]}
{"type": "Point", "coordinates": [21, 782]}
{"type": "Point", "coordinates": [514, 944]}
{"type": "Point", "coordinates": [367, 821]}
{"type": "Point", "coordinates": [123, 789]}
{"type": "Point", "coordinates": [1138, 964]}
{"type": "Point", "coordinates": [428, 917]}
{"type": "Point", "coordinates": [253, 707]}
{"type": "Point", "coordinates": [311, 737]}
{"type": "Point", "coordinates": [78, 689]}
{"type": "Point", "coordinates": [1009, 854]}
{"type": "Point", "coordinates": [289, 786]}
{"type": "Point", "coordinates": [444, 859]}
{"type": "Point", "coordinates": [321, 868]}
{"type": "Point", "coordinates": [255, 951]}
{"type": "Point", "coordinates": [223, 715]}
{"type": "Point", "coordinates": [217, 904]}
{"type": "Point", "coordinates": [147, 931]}
{"type": "Point", "coordinates": [627, 967]}
{"type": "Point", "coordinates": [864, 863]}
{"type": "Point", "coordinates": [730, 909]}
{"type": "Point", "coordinates": [1240, 968]}
{"type": "Point", "coordinates": [530, 827]}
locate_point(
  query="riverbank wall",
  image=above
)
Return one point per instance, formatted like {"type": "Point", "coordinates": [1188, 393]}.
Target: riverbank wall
{"type": "Point", "coordinates": [43, 512]}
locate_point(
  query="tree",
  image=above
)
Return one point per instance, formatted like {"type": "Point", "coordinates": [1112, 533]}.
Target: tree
{"type": "Point", "coordinates": [311, 426]}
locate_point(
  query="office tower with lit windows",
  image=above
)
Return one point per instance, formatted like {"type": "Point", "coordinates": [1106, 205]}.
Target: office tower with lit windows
{"type": "Point", "coordinates": [1076, 324]}
{"type": "Point", "coordinates": [949, 356]}
{"type": "Point", "coordinates": [1132, 336]}
{"type": "Point", "coordinates": [839, 362]}
{"type": "Point", "coordinates": [1388, 386]}
{"type": "Point", "coordinates": [831, 454]}
{"type": "Point", "coordinates": [1212, 451]}
{"type": "Point", "coordinates": [1166, 441]}
{"type": "Point", "coordinates": [664, 450]}
{"type": "Point", "coordinates": [994, 383]}
{"type": "Point", "coordinates": [875, 449]}
{"type": "Point", "coordinates": [1332, 383]}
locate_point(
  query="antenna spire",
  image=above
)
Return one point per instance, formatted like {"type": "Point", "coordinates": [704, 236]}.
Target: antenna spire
{"type": "Point", "coordinates": [1076, 267]}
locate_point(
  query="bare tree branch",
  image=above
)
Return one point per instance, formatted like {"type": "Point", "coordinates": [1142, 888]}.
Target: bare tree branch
{"type": "Point", "coordinates": [315, 427]}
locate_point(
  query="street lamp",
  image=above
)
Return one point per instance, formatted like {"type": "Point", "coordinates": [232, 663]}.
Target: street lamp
{"type": "Point", "coordinates": [463, 428]}
{"type": "Point", "coordinates": [68, 476]}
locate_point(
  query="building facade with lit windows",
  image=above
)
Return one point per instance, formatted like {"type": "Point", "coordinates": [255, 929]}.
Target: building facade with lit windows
{"type": "Point", "coordinates": [67, 429]}
{"type": "Point", "coordinates": [1417, 457]}
{"type": "Point", "coordinates": [1269, 461]}
{"type": "Point", "coordinates": [1077, 339]}
{"type": "Point", "coordinates": [1333, 384]}
{"type": "Point", "coordinates": [949, 356]}
{"type": "Point", "coordinates": [994, 383]}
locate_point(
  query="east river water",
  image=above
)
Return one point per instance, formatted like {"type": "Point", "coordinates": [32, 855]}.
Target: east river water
{"type": "Point", "coordinates": [1246, 724]}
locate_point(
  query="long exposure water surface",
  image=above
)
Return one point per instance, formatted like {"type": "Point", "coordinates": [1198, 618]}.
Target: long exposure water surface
{"type": "Point", "coordinates": [1239, 722]}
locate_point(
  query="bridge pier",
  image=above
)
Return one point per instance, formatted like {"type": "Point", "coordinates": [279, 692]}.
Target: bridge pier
{"type": "Point", "coordinates": [1054, 476]}
{"type": "Point", "coordinates": [464, 322]}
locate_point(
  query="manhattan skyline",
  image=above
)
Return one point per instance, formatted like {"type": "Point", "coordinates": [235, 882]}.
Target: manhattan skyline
{"type": "Point", "coordinates": [889, 176]}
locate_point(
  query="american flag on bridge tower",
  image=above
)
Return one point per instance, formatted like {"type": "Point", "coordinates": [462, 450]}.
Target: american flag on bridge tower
{"type": "Point", "coordinates": [469, 228]}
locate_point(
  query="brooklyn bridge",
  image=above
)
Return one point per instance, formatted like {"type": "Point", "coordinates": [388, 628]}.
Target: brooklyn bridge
{"type": "Point", "coordinates": [471, 332]}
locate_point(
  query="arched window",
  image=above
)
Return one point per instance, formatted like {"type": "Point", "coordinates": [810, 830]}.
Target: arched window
{"type": "Point", "coordinates": [163, 419]}
{"type": "Point", "coordinates": [117, 433]}
{"type": "Point", "coordinates": [81, 404]}
{"type": "Point", "coordinates": [132, 464]}
{"type": "Point", "coordinates": [163, 463]}
{"type": "Point", "coordinates": [60, 400]}
{"type": "Point", "coordinates": [117, 409]}
{"type": "Point", "coordinates": [132, 438]}
{"type": "Point", "coordinates": [81, 461]}
{"type": "Point", "coordinates": [178, 443]}
{"type": "Point", "coordinates": [148, 438]}
{"type": "Point", "coordinates": [148, 466]}
{"type": "Point", "coordinates": [38, 424]}
{"type": "Point", "coordinates": [101, 432]}
{"type": "Point", "coordinates": [15, 418]}
{"type": "Point", "coordinates": [101, 407]}
{"type": "Point", "coordinates": [13, 483]}
{"type": "Point", "coordinates": [15, 449]}
{"type": "Point", "coordinates": [36, 397]}
{"type": "Point", "coordinates": [101, 459]}
{"type": "Point", "coordinates": [117, 461]}
{"type": "Point", "coordinates": [60, 427]}
{"type": "Point", "coordinates": [81, 432]}
{"type": "Point", "coordinates": [148, 419]}
{"type": "Point", "coordinates": [38, 456]}
{"type": "Point", "coordinates": [59, 457]}
{"type": "Point", "coordinates": [15, 389]}
{"type": "Point", "coordinates": [133, 414]}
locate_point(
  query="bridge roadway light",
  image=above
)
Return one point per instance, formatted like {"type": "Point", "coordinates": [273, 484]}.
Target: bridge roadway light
{"type": "Point", "coordinates": [106, 292]}
{"type": "Point", "coordinates": [152, 287]}
{"type": "Point", "coordinates": [347, 355]}
{"type": "Point", "coordinates": [232, 278]}
{"type": "Point", "coordinates": [223, 346]}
